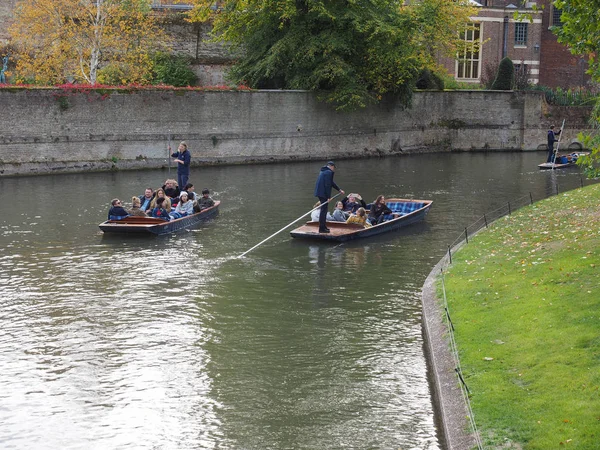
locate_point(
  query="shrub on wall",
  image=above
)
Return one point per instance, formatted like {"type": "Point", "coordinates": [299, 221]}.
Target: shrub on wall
{"type": "Point", "coordinates": [430, 80]}
{"type": "Point", "coordinates": [173, 70]}
{"type": "Point", "coordinates": [506, 75]}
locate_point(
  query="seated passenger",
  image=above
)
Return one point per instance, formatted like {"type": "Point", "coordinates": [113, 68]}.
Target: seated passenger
{"type": "Point", "coordinates": [160, 193]}
{"type": "Point", "coordinates": [116, 211]}
{"type": "Point", "coordinates": [146, 199]}
{"type": "Point", "coordinates": [352, 203]}
{"type": "Point", "coordinates": [316, 213]}
{"type": "Point", "coordinates": [172, 191]}
{"type": "Point", "coordinates": [204, 202]}
{"type": "Point", "coordinates": [160, 212]}
{"type": "Point", "coordinates": [378, 211]}
{"type": "Point", "coordinates": [183, 208]}
{"type": "Point", "coordinates": [339, 215]}
{"type": "Point", "coordinates": [136, 209]}
{"type": "Point", "coordinates": [189, 188]}
{"type": "Point", "coordinates": [360, 218]}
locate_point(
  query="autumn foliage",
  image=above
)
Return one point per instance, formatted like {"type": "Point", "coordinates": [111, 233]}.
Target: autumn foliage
{"type": "Point", "coordinates": [87, 41]}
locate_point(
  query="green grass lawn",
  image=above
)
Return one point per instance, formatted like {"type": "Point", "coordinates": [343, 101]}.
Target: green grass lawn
{"type": "Point", "coordinates": [524, 297]}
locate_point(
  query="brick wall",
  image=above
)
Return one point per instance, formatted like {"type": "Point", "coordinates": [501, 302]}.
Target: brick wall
{"type": "Point", "coordinates": [558, 67]}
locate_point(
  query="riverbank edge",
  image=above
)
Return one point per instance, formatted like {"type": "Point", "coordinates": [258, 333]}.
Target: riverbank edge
{"type": "Point", "coordinates": [451, 414]}
{"type": "Point", "coordinates": [450, 410]}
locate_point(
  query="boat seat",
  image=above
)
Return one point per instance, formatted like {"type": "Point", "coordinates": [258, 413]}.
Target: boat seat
{"type": "Point", "coordinates": [403, 208]}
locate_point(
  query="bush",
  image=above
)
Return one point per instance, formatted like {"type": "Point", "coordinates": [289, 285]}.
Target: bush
{"type": "Point", "coordinates": [489, 74]}
{"type": "Point", "coordinates": [505, 78]}
{"type": "Point", "coordinates": [112, 75]}
{"type": "Point", "coordinates": [173, 70]}
{"type": "Point", "coordinates": [430, 80]}
{"type": "Point", "coordinates": [578, 96]}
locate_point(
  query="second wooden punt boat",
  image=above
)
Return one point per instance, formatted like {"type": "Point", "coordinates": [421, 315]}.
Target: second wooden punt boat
{"type": "Point", "coordinates": [153, 226]}
{"type": "Point", "coordinates": [408, 211]}
{"type": "Point", "coordinates": [563, 162]}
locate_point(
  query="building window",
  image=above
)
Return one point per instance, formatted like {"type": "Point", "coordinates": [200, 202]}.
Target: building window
{"type": "Point", "coordinates": [556, 13]}
{"type": "Point", "coordinates": [468, 60]}
{"type": "Point", "coordinates": [520, 33]}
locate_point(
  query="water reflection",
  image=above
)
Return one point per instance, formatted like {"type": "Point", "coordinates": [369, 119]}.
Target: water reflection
{"type": "Point", "coordinates": [174, 342]}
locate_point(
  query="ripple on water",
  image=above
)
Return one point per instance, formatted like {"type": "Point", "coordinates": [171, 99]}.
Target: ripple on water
{"type": "Point", "coordinates": [176, 343]}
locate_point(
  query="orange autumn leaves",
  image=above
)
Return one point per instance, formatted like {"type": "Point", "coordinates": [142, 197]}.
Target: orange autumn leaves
{"type": "Point", "coordinates": [85, 41]}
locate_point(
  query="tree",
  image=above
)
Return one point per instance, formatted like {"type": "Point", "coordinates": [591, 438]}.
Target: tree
{"type": "Point", "coordinates": [580, 31]}
{"type": "Point", "coordinates": [78, 40]}
{"type": "Point", "coordinates": [505, 78]}
{"type": "Point", "coordinates": [352, 52]}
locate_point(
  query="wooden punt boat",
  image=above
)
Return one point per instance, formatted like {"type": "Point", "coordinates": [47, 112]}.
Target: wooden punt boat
{"type": "Point", "coordinates": [153, 226]}
{"type": "Point", "coordinates": [563, 162]}
{"type": "Point", "coordinates": [409, 211]}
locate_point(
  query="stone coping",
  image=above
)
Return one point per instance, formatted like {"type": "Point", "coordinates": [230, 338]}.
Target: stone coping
{"type": "Point", "coordinates": [450, 409]}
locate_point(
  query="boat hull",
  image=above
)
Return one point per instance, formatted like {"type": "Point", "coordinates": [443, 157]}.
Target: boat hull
{"type": "Point", "coordinates": [342, 232]}
{"type": "Point", "coordinates": [157, 227]}
{"type": "Point", "coordinates": [551, 166]}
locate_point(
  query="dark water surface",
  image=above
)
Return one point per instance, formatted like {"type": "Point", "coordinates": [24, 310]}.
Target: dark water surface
{"type": "Point", "coordinates": [174, 343]}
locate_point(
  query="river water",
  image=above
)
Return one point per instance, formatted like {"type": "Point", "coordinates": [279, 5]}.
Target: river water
{"type": "Point", "coordinates": [175, 343]}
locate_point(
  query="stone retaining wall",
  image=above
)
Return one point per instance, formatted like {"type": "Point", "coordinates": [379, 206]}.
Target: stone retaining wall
{"type": "Point", "coordinates": [52, 130]}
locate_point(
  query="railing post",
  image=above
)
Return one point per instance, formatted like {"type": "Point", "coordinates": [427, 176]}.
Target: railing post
{"type": "Point", "coordinates": [485, 220]}
{"type": "Point", "coordinates": [450, 254]}
{"type": "Point", "coordinates": [462, 380]}
{"type": "Point", "coordinates": [531, 198]}
{"type": "Point", "coordinates": [466, 235]}
{"type": "Point", "coordinates": [509, 211]}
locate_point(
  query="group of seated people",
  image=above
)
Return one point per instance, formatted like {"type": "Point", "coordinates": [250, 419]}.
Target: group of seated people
{"type": "Point", "coordinates": [167, 202]}
{"type": "Point", "coordinates": [353, 209]}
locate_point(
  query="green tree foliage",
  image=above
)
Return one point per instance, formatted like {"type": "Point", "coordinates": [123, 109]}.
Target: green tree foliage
{"type": "Point", "coordinates": [173, 70]}
{"type": "Point", "coordinates": [580, 31]}
{"type": "Point", "coordinates": [352, 52]}
{"type": "Point", "coordinates": [505, 79]}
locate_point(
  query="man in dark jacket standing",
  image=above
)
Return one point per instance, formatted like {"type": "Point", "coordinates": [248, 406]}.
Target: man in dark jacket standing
{"type": "Point", "coordinates": [323, 192]}
{"type": "Point", "coordinates": [551, 140]}
{"type": "Point", "coordinates": [183, 158]}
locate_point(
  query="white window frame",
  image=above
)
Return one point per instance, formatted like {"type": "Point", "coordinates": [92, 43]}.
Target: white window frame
{"type": "Point", "coordinates": [521, 32]}
{"type": "Point", "coordinates": [469, 63]}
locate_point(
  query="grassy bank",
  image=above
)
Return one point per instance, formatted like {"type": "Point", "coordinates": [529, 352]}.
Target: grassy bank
{"type": "Point", "coordinates": [524, 297]}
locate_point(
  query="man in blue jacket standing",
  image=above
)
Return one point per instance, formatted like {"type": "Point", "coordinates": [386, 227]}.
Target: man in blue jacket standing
{"type": "Point", "coordinates": [323, 192]}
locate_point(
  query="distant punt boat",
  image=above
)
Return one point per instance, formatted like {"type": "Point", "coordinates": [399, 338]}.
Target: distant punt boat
{"type": "Point", "coordinates": [563, 162]}
{"type": "Point", "coordinates": [409, 211]}
{"type": "Point", "coordinates": [154, 226]}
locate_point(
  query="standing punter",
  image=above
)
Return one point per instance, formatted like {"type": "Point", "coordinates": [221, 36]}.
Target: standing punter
{"type": "Point", "coordinates": [551, 140]}
{"type": "Point", "coordinates": [183, 159]}
{"type": "Point", "coordinates": [323, 192]}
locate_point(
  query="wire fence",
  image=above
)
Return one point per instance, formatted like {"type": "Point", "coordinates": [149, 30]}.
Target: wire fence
{"type": "Point", "coordinates": [463, 239]}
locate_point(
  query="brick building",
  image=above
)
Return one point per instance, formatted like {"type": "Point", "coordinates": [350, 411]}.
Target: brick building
{"type": "Point", "coordinates": [522, 33]}
{"type": "Point", "coordinates": [496, 33]}
{"type": "Point", "coordinates": [558, 67]}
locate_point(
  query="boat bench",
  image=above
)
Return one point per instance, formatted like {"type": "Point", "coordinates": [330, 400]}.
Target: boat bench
{"type": "Point", "coordinates": [404, 208]}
